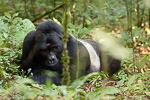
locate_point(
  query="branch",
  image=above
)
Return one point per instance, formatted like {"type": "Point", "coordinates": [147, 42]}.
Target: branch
{"type": "Point", "coordinates": [92, 84]}
{"type": "Point", "coordinates": [34, 86]}
{"type": "Point", "coordinates": [46, 13]}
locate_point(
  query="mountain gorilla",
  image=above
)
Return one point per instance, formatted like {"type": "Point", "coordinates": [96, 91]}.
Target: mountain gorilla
{"type": "Point", "coordinates": [42, 49]}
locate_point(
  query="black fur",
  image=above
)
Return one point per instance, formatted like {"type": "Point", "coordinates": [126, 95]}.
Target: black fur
{"type": "Point", "coordinates": [42, 51]}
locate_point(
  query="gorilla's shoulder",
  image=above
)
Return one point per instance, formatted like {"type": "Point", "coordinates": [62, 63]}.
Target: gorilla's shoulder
{"type": "Point", "coordinates": [49, 26]}
{"type": "Point", "coordinates": [30, 36]}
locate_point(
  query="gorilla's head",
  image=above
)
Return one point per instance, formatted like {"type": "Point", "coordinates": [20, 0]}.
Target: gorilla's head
{"type": "Point", "coordinates": [48, 44]}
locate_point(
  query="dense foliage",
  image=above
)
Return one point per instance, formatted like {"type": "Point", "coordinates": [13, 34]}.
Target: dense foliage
{"type": "Point", "coordinates": [127, 20]}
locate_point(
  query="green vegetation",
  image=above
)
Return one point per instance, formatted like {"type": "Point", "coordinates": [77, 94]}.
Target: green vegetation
{"type": "Point", "coordinates": [126, 20]}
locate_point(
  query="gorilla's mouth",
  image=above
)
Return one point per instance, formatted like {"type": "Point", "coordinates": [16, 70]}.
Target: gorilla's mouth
{"type": "Point", "coordinates": [52, 63]}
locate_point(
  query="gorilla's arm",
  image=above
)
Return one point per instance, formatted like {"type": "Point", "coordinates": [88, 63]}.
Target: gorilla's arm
{"type": "Point", "coordinates": [27, 52]}
{"type": "Point", "coordinates": [41, 77]}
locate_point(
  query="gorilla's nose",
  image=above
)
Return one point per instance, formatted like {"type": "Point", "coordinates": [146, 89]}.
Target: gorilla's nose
{"type": "Point", "coordinates": [52, 59]}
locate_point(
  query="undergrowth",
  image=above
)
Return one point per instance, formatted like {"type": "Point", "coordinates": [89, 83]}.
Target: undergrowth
{"type": "Point", "coordinates": [132, 82]}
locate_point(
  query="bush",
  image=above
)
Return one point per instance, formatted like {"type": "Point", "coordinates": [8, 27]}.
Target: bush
{"type": "Point", "coordinates": [12, 32]}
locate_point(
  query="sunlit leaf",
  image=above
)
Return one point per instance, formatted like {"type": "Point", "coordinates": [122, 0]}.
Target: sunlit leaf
{"type": "Point", "coordinates": [81, 80]}
{"type": "Point", "coordinates": [5, 35]}
{"type": "Point", "coordinates": [7, 15]}
{"type": "Point", "coordinates": [110, 90]}
{"type": "Point", "coordinates": [120, 83]}
{"type": "Point", "coordinates": [131, 80]}
{"type": "Point", "coordinates": [15, 15]}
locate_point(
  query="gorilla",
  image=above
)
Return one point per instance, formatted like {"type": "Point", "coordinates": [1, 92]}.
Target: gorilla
{"type": "Point", "coordinates": [42, 51]}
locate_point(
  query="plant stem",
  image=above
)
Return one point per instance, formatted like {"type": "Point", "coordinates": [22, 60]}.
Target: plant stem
{"type": "Point", "coordinates": [138, 13]}
{"type": "Point", "coordinates": [46, 13]}
{"type": "Point", "coordinates": [65, 57]}
{"type": "Point", "coordinates": [84, 12]}
{"type": "Point", "coordinates": [127, 8]}
{"type": "Point", "coordinates": [129, 20]}
{"type": "Point", "coordinates": [149, 16]}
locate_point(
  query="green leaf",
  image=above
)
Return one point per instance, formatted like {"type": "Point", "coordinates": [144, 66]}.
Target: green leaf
{"type": "Point", "coordinates": [7, 15]}
{"type": "Point", "coordinates": [125, 89]}
{"type": "Point", "coordinates": [120, 83]}
{"type": "Point", "coordinates": [81, 80]}
{"type": "Point", "coordinates": [71, 94]}
{"type": "Point", "coordinates": [63, 90]}
{"type": "Point", "coordinates": [5, 35]}
{"type": "Point", "coordinates": [124, 34]}
{"type": "Point", "coordinates": [110, 90]}
{"type": "Point", "coordinates": [136, 32]}
{"type": "Point", "coordinates": [15, 15]}
{"type": "Point", "coordinates": [131, 80]}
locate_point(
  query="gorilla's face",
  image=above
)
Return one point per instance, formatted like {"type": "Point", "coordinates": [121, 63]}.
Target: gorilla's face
{"type": "Point", "coordinates": [48, 49]}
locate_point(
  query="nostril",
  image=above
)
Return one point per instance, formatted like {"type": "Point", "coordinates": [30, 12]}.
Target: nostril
{"type": "Point", "coordinates": [52, 59]}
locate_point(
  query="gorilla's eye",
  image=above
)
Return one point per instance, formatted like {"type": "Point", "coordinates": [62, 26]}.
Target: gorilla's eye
{"type": "Point", "coordinates": [43, 50]}
{"type": "Point", "coordinates": [48, 44]}
{"type": "Point", "coordinates": [55, 49]}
